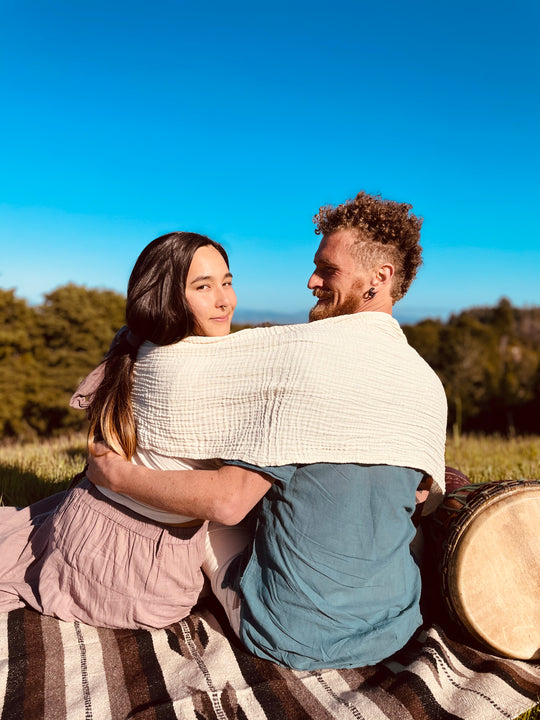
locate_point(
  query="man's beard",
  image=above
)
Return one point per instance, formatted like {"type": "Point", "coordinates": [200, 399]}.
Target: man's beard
{"type": "Point", "coordinates": [351, 304]}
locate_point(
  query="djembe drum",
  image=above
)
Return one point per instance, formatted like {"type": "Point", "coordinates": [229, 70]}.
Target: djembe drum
{"type": "Point", "coordinates": [488, 540]}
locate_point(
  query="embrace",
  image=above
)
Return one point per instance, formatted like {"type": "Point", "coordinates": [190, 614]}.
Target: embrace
{"type": "Point", "coordinates": [285, 463]}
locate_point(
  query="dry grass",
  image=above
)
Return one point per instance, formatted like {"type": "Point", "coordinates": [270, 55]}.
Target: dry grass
{"type": "Point", "coordinates": [31, 471]}
{"type": "Point", "coordinates": [485, 458]}
{"type": "Point", "coordinates": [532, 714]}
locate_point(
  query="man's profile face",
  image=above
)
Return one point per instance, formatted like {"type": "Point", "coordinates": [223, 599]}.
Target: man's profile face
{"type": "Point", "coordinates": [338, 281]}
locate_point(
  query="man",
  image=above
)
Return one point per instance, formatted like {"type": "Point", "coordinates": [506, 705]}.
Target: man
{"type": "Point", "coordinates": [327, 578]}
{"type": "Point", "coordinates": [367, 233]}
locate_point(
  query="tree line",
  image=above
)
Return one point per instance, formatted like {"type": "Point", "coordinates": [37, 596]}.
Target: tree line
{"type": "Point", "coordinates": [487, 358]}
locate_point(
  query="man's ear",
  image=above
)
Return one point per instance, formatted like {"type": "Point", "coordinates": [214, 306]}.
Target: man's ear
{"type": "Point", "coordinates": [382, 275]}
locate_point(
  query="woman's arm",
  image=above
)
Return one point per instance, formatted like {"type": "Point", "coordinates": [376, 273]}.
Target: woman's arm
{"type": "Point", "coordinates": [225, 495]}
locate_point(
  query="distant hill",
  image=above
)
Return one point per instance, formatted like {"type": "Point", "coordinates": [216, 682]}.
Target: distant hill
{"type": "Point", "coordinates": [405, 316]}
{"type": "Point", "coordinates": [258, 317]}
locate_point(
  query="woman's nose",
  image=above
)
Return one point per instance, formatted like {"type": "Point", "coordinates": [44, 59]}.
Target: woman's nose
{"type": "Point", "coordinates": [221, 298]}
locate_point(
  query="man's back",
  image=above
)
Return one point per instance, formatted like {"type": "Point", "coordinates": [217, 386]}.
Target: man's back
{"type": "Point", "coordinates": [329, 580]}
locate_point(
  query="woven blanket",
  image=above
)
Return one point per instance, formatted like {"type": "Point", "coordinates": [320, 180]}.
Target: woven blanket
{"type": "Point", "coordinates": [345, 389]}
{"type": "Point", "coordinates": [57, 671]}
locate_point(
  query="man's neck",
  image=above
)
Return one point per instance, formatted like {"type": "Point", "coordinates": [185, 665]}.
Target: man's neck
{"type": "Point", "coordinates": [378, 303]}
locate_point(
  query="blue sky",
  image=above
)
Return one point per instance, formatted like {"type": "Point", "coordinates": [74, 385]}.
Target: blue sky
{"type": "Point", "coordinates": [122, 121]}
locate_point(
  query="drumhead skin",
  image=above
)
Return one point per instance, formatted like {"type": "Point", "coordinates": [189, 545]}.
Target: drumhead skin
{"type": "Point", "coordinates": [493, 570]}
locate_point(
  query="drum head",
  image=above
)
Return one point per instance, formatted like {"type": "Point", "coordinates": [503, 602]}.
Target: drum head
{"type": "Point", "coordinates": [494, 572]}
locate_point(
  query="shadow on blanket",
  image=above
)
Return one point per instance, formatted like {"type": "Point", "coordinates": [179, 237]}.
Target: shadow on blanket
{"type": "Point", "coordinates": [196, 669]}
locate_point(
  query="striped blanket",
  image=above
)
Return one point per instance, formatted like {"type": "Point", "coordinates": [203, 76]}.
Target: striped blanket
{"type": "Point", "coordinates": [193, 669]}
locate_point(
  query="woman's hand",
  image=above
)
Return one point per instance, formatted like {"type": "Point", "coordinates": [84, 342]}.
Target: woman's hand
{"type": "Point", "coordinates": [106, 468]}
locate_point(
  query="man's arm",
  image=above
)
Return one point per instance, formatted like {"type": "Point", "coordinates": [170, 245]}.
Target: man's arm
{"type": "Point", "coordinates": [225, 495]}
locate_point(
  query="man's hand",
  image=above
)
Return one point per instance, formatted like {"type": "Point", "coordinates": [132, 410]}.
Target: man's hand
{"type": "Point", "coordinates": [106, 468]}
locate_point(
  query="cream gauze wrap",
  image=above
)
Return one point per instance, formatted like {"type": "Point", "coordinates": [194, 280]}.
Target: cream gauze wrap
{"type": "Point", "coordinates": [348, 389]}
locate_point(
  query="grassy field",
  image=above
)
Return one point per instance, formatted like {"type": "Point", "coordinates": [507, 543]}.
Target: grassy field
{"type": "Point", "coordinates": [31, 471]}
{"type": "Point", "coordinates": [485, 458]}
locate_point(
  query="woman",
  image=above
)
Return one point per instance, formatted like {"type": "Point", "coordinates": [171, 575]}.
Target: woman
{"type": "Point", "coordinates": [104, 558]}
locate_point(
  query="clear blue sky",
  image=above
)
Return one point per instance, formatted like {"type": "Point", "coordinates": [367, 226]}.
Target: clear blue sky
{"type": "Point", "coordinates": [120, 121]}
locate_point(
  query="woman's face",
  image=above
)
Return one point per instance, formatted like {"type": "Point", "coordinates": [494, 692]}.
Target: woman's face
{"type": "Point", "coordinates": [209, 293]}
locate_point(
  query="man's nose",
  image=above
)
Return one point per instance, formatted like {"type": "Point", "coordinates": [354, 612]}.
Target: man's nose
{"type": "Point", "coordinates": [314, 281]}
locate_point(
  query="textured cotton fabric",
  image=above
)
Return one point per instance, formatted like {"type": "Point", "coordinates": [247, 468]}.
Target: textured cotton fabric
{"type": "Point", "coordinates": [76, 556]}
{"type": "Point", "coordinates": [348, 389]}
{"type": "Point", "coordinates": [329, 580]}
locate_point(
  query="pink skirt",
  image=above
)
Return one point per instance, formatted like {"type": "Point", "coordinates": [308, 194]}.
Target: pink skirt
{"type": "Point", "coordinates": [79, 556]}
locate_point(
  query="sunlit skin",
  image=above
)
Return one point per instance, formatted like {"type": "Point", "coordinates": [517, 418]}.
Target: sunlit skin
{"type": "Point", "coordinates": [209, 293]}
{"type": "Point", "coordinates": [341, 286]}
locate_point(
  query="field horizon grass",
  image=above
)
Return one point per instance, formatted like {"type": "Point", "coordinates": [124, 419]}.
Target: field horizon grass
{"type": "Point", "coordinates": [33, 470]}
{"type": "Point", "coordinates": [485, 458]}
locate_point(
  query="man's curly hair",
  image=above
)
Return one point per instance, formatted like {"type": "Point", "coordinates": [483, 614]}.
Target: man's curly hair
{"type": "Point", "coordinates": [385, 232]}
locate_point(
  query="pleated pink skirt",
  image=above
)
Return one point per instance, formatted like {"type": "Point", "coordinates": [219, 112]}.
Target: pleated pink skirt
{"type": "Point", "coordinates": [79, 556]}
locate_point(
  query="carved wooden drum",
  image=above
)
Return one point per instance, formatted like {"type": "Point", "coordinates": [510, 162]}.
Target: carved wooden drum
{"type": "Point", "coordinates": [489, 536]}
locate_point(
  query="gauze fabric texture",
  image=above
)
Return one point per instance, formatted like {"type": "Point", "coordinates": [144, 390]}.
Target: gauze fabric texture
{"type": "Point", "coordinates": [348, 389]}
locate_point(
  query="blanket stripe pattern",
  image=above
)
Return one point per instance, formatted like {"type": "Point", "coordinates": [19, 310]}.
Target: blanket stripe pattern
{"type": "Point", "coordinates": [71, 671]}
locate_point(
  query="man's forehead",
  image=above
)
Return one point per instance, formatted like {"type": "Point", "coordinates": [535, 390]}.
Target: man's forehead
{"type": "Point", "coordinates": [324, 256]}
{"type": "Point", "coordinates": [335, 246]}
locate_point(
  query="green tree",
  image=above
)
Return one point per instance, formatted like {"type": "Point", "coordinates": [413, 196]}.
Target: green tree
{"type": "Point", "coordinates": [18, 367]}
{"type": "Point", "coordinates": [76, 326]}
{"type": "Point", "coordinates": [425, 338]}
{"type": "Point", "coordinates": [471, 366]}
{"type": "Point", "coordinates": [488, 359]}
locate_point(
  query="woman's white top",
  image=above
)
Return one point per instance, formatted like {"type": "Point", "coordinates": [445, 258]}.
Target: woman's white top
{"type": "Point", "coordinates": [155, 460]}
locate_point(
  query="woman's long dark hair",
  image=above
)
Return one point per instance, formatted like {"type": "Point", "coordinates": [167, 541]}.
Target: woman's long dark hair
{"type": "Point", "coordinates": [156, 310]}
